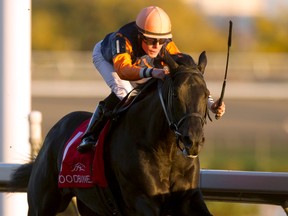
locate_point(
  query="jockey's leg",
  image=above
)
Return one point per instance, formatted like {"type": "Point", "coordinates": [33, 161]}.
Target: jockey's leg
{"type": "Point", "coordinates": [97, 122]}
{"type": "Point", "coordinates": [119, 88]}
{"type": "Point", "coordinates": [106, 69]}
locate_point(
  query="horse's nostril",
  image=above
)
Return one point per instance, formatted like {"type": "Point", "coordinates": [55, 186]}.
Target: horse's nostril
{"type": "Point", "coordinates": [190, 141]}
{"type": "Point", "coordinates": [187, 141]}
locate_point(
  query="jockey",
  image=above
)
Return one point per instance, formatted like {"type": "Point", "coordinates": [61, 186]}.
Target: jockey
{"type": "Point", "coordinates": [125, 58]}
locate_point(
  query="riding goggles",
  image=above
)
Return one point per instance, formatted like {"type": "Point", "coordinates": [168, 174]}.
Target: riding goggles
{"type": "Point", "coordinates": [154, 41]}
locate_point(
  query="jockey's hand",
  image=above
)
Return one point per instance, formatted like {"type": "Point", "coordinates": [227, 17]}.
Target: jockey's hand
{"type": "Point", "coordinates": [159, 73]}
{"type": "Point", "coordinates": [218, 110]}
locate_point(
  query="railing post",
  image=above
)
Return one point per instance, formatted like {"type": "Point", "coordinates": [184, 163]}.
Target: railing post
{"type": "Point", "coordinates": [15, 93]}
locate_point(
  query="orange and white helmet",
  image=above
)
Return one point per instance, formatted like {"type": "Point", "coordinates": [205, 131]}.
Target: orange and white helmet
{"type": "Point", "coordinates": [154, 22]}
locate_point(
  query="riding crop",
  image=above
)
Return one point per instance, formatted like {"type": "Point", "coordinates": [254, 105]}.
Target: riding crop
{"type": "Point", "coordinates": [226, 69]}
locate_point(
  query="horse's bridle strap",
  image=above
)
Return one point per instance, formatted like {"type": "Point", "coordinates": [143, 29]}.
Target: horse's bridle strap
{"type": "Point", "coordinates": [173, 125]}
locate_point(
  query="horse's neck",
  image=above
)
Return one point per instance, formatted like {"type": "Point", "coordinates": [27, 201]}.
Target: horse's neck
{"type": "Point", "coordinates": [151, 116]}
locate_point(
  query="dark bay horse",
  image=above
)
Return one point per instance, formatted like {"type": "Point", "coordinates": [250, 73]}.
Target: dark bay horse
{"type": "Point", "coordinates": [151, 155]}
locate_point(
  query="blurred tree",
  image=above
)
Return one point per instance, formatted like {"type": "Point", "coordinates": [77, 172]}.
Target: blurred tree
{"type": "Point", "coordinates": [272, 33]}
{"type": "Point", "coordinates": [192, 31]}
{"type": "Point", "coordinates": [78, 25]}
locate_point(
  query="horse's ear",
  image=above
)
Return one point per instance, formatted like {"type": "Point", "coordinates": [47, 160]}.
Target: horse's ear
{"type": "Point", "coordinates": [168, 59]}
{"type": "Point", "coordinates": [202, 62]}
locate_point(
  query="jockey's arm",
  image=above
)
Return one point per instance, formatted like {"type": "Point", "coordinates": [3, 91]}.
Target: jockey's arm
{"type": "Point", "coordinates": [126, 70]}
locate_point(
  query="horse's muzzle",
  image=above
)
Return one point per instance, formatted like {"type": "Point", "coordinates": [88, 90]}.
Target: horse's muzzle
{"type": "Point", "coordinates": [192, 146]}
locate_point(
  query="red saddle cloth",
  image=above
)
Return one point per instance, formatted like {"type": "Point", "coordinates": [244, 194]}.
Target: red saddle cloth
{"type": "Point", "coordinates": [83, 170]}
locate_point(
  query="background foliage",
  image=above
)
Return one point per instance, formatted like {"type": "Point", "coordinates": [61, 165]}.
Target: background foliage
{"type": "Point", "coordinates": [78, 25]}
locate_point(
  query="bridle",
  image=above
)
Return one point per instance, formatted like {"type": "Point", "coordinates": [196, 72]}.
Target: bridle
{"type": "Point", "coordinates": [174, 125]}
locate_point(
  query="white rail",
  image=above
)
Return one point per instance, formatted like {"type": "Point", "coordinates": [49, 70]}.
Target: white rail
{"type": "Point", "coordinates": [245, 186]}
{"type": "Point", "coordinates": [221, 185]}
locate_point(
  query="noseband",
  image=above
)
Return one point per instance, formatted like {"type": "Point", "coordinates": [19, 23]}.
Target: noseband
{"type": "Point", "coordinates": [174, 124]}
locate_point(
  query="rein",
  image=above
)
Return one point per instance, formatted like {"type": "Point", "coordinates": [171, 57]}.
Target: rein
{"type": "Point", "coordinates": [173, 124]}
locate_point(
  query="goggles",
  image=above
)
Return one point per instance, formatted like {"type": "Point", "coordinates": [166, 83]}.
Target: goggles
{"type": "Point", "coordinates": [153, 41]}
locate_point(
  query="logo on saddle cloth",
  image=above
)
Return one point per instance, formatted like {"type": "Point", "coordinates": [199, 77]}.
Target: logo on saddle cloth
{"type": "Point", "coordinates": [79, 167]}
{"type": "Point", "coordinates": [82, 170]}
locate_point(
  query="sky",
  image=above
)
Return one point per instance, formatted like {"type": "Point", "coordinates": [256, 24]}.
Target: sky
{"type": "Point", "coordinates": [240, 7]}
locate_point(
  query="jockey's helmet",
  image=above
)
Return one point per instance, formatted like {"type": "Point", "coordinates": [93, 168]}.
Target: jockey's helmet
{"type": "Point", "coordinates": [153, 22]}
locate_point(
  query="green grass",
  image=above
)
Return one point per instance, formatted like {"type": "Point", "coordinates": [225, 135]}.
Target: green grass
{"type": "Point", "coordinates": [235, 209]}
{"type": "Point", "coordinates": [248, 158]}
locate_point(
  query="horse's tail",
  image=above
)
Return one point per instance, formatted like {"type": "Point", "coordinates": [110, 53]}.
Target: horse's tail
{"type": "Point", "coordinates": [20, 178]}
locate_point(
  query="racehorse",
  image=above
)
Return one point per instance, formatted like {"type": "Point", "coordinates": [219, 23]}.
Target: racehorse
{"type": "Point", "coordinates": [151, 153]}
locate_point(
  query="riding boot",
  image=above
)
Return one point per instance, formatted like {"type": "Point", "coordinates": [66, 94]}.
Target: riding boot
{"type": "Point", "coordinates": [97, 122]}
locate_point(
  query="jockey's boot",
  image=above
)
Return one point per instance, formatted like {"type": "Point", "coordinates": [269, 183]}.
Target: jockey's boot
{"type": "Point", "coordinates": [97, 122]}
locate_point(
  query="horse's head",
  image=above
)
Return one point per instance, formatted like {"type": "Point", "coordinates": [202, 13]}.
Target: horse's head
{"type": "Point", "coordinates": [186, 102]}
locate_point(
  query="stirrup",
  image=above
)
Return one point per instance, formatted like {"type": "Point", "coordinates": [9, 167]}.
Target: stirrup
{"type": "Point", "coordinates": [87, 144]}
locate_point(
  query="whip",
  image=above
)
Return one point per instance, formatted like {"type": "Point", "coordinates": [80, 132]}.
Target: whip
{"type": "Point", "coordinates": [226, 69]}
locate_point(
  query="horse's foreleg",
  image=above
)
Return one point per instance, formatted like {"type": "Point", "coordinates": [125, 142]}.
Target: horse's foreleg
{"type": "Point", "coordinates": [193, 204]}
{"type": "Point", "coordinates": [146, 207]}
